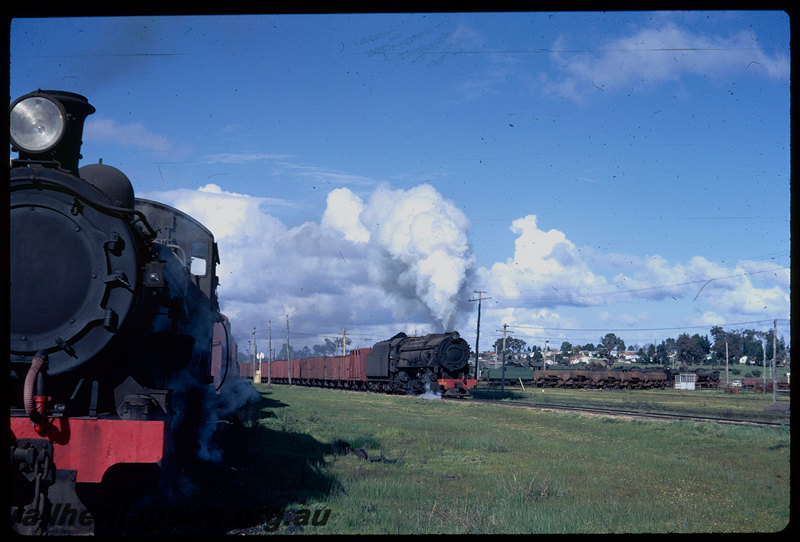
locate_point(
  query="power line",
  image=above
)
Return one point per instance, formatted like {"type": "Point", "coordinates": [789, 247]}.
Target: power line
{"type": "Point", "coordinates": [652, 328]}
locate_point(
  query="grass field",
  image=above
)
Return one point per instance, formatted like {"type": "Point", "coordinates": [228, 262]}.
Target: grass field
{"type": "Point", "coordinates": [743, 405]}
{"type": "Point", "coordinates": [431, 466]}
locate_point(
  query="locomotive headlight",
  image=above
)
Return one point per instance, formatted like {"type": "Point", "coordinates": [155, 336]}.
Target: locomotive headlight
{"type": "Point", "coordinates": [37, 123]}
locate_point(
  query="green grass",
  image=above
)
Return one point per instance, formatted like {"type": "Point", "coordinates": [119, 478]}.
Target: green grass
{"type": "Point", "coordinates": [461, 467]}
{"type": "Point", "coordinates": [744, 405]}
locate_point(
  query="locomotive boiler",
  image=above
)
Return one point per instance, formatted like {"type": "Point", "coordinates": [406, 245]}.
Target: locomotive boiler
{"type": "Point", "coordinates": [113, 308]}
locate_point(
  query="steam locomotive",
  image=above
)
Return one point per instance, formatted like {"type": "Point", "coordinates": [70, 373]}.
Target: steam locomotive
{"type": "Point", "coordinates": [114, 324]}
{"type": "Point", "coordinates": [435, 363]}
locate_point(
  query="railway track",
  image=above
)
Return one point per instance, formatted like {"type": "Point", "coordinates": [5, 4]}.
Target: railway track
{"type": "Point", "coordinates": [615, 412]}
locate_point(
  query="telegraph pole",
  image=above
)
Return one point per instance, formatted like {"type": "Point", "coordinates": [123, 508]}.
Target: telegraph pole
{"type": "Point", "coordinates": [774, 365]}
{"type": "Point", "coordinates": [503, 376]}
{"type": "Point", "coordinates": [478, 335]}
{"type": "Point", "coordinates": [764, 361]}
{"type": "Point", "coordinates": [727, 381]}
{"type": "Point", "coordinates": [344, 341]}
{"type": "Point", "coordinates": [269, 353]}
{"type": "Point", "coordinates": [255, 355]}
{"type": "Point", "coordinates": [288, 357]}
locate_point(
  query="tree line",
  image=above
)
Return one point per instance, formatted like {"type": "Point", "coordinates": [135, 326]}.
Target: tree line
{"type": "Point", "coordinates": [326, 349]}
{"type": "Point", "coordinates": [685, 349]}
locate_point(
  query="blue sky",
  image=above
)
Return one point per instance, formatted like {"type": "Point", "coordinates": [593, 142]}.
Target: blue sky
{"type": "Point", "coordinates": [591, 172]}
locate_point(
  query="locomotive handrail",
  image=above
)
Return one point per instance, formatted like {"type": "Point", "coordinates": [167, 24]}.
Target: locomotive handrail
{"type": "Point", "coordinates": [227, 356]}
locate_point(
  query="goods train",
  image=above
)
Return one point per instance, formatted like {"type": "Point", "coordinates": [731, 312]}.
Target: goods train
{"type": "Point", "coordinates": [117, 344]}
{"type": "Point", "coordinates": [403, 365]}
{"type": "Point", "coordinates": [620, 377]}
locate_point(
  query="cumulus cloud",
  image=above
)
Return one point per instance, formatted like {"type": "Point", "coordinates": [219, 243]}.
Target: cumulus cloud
{"type": "Point", "coordinates": [547, 276]}
{"type": "Point", "coordinates": [343, 214]}
{"type": "Point", "coordinates": [400, 260]}
{"type": "Point", "coordinates": [546, 266]}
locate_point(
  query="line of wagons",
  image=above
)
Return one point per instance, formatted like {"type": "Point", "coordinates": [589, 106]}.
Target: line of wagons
{"type": "Point", "coordinates": [597, 378]}
{"type": "Point", "coordinates": [412, 365]}
{"type": "Point", "coordinates": [758, 385]}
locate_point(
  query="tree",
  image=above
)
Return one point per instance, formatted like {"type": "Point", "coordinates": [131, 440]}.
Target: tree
{"type": "Point", "coordinates": [745, 342]}
{"type": "Point", "coordinates": [566, 347]}
{"type": "Point", "coordinates": [662, 353]}
{"type": "Point", "coordinates": [282, 352]}
{"type": "Point", "coordinates": [612, 342]}
{"type": "Point", "coordinates": [513, 345]}
{"type": "Point", "coordinates": [651, 353]}
{"type": "Point", "coordinates": [691, 350]}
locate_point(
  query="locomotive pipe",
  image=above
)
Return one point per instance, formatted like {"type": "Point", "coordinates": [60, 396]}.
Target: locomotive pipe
{"type": "Point", "coordinates": [34, 397]}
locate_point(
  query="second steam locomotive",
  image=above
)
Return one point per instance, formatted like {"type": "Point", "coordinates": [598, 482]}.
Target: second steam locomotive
{"type": "Point", "coordinates": [402, 365]}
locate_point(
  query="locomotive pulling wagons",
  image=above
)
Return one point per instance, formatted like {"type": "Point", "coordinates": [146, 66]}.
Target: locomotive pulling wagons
{"type": "Point", "coordinates": [436, 363]}
{"type": "Point", "coordinates": [114, 323]}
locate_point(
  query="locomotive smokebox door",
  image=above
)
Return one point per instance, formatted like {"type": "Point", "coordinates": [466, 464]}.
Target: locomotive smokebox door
{"type": "Point", "coordinates": [74, 269]}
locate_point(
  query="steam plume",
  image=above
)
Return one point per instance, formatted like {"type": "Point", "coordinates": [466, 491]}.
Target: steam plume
{"type": "Point", "coordinates": [419, 240]}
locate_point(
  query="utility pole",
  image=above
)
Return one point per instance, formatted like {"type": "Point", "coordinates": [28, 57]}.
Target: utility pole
{"type": "Point", "coordinates": [344, 341]}
{"type": "Point", "coordinates": [288, 357]}
{"type": "Point", "coordinates": [503, 375]}
{"type": "Point", "coordinates": [269, 353]}
{"type": "Point", "coordinates": [248, 360]}
{"type": "Point", "coordinates": [478, 335]}
{"type": "Point", "coordinates": [255, 353]}
{"type": "Point", "coordinates": [774, 365]}
{"type": "Point", "coordinates": [727, 381]}
{"type": "Point", "coordinates": [764, 361]}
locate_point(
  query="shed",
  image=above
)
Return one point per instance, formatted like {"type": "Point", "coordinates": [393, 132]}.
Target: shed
{"type": "Point", "coordinates": [685, 381]}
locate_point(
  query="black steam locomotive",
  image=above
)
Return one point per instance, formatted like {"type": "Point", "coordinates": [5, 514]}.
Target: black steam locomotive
{"type": "Point", "coordinates": [413, 365]}
{"type": "Point", "coordinates": [435, 363]}
{"type": "Point", "coordinates": [113, 307]}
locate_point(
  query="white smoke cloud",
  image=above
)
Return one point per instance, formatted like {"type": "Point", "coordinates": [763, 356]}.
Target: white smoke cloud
{"type": "Point", "coordinates": [399, 262]}
{"type": "Point", "coordinates": [418, 245]}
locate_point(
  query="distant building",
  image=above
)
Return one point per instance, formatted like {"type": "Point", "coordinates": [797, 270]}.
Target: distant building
{"type": "Point", "coordinates": [628, 357]}
{"type": "Point", "coordinates": [685, 381]}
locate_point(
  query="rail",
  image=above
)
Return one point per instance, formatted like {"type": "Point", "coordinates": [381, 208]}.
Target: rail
{"type": "Point", "coordinates": [631, 413]}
